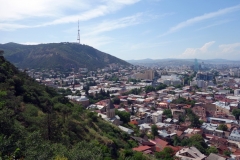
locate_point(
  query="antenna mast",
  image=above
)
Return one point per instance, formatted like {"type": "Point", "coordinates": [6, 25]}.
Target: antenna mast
{"type": "Point", "coordinates": [78, 37]}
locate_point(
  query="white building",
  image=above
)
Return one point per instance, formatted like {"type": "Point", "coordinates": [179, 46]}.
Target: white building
{"type": "Point", "coordinates": [190, 153]}
{"type": "Point", "coordinates": [235, 135]}
{"type": "Point", "coordinates": [157, 117]}
{"type": "Point", "coordinates": [237, 92]}
{"type": "Point", "coordinates": [127, 130]}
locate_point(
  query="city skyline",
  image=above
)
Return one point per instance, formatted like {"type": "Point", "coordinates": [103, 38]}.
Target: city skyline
{"type": "Point", "coordinates": [129, 29]}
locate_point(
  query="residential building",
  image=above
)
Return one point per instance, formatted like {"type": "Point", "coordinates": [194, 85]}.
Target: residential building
{"type": "Point", "coordinates": [157, 117]}
{"type": "Point", "coordinates": [190, 153]}
{"type": "Point", "coordinates": [222, 107]}
{"type": "Point", "coordinates": [235, 135]}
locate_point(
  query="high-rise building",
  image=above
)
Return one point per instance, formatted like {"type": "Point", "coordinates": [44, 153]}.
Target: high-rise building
{"type": "Point", "coordinates": [196, 65]}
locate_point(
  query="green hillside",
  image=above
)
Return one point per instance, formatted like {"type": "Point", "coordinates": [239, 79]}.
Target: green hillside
{"type": "Point", "coordinates": [38, 123]}
{"type": "Point", "coordinates": [61, 55]}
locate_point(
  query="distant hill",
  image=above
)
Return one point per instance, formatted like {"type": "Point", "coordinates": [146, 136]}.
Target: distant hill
{"type": "Point", "coordinates": [174, 61]}
{"type": "Point", "coordinates": [60, 55]}
{"type": "Point", "coordinates": [38, 123]}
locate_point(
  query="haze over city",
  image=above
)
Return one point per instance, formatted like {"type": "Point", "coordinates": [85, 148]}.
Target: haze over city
{"type": "Point", "coordinates": [129, 29]}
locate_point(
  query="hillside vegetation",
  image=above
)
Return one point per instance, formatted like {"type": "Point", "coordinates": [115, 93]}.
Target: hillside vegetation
{"type": "Point", "coordinates": [57, 55]}
{"type": "Point", "coordinates": [38, 123]}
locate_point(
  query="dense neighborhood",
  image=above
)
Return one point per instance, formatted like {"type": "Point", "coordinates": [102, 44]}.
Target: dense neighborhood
{"type": "Point", "coordinates": [180, 112]}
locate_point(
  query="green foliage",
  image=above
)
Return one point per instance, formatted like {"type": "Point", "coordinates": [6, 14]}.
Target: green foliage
{"type": "Point", "coordinates": [98, 96]}
{"type": "Point", "coordinates": [116, 100]}
{"type": "Point", "coordinates": [166, 154]}
{"type": "Point", "coordinates": [212, 149]}
{"type": "Point", "coordinates": [236, 113]}
{"type": "Point", "coordinates": [223, 127]}
{"type": "Point", "coordinates": [132, 155]}
{"type": "Point", "coordinates": [196, 141]}
{"type": "Point", "coordinates": [227, 153]}
{"type": "Point", "coordinates": [182, 100]}
{"type": "Point", "coordinates": [176, 141]}
{"type": "Point", "coordinates": [149, 89]}
{"type": "Point", "coordinates": [135, 91]}
{"type": "Point", "coordinates": [113, 78]}
{"type": "Point", "coordinates": [134, 80]}
{"type": "Point", "coordinates": [38, 123]}
{"type": "Point", "coordinates": [194, 119]}
{"type": "Point", "coordinates": [161, 86]}
{"type": "Point", "coordinates": [168, 113]}
{"type": "Point", "coordinates": [154, 130]}
{"type": "Point", "coordinates": [124, 116]}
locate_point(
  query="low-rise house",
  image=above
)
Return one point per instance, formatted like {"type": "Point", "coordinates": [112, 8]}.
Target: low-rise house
{"type": "Point", "coordinates": [235, 135]}
{"type": "Point", "coordinates": [210, 128]}
{"type": "Point", "coordinates": [190, 153]}
{"type": "Point", "coordinates": [217, 141]}
{"type": "Point", "coordinates": [143, 149]}
{"type": "Point", "coordinates": [160, 144]}
{"type": "Point", "coordinates": [193, 131]}
{"type": "Point", "coordinates": [177, 112]}
{"type": "Point", "coordinates": [200, 112]}
{"type": "Point", "coordinates": [213, 156]}
{"type": "Point", "coordinates": [157, 117]}
{"type": "Point", "coordinates": [144, 127]}
{"type": "Point", "coordinates": [221, 120]}
{"type": "Point", "coordinates": [222, 107]}
{"type": "Point", "coordinates": [125, 129]}
{"type": "Point", "coordinates": [166, 134]}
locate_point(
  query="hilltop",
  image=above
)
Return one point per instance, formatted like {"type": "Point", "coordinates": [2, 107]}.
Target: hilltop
{"type": "Point", "coordinates": [38, 123]}
{"type": "Point", "coordinates": [58, 55]}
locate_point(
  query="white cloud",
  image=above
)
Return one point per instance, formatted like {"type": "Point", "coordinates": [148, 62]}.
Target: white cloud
{"type": "Point", "coordinates": [197, 52]}
{"type": "Point", "coordinates": [114, 24]}
{"type": "Point", "coordinates": [197, 19]}
{"type": "Point", "coordinates": [215, 24]}
{"type": "Point", "coordinates": [30, 43]}
{"type": "Point", "coordinates": [12, 11]}
{"type": "Point", "coordinates": [229, 48]}
{"type": "Point", "coordinates": [93, 34]}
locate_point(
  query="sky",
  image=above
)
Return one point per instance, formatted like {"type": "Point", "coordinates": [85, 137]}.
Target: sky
{"type": "Point", "coordinates": [129, 29]}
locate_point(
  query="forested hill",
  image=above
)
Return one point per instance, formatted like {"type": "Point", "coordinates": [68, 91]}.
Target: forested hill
{"type": "Point", "coordinates": [58, 55]}
{"type": "Point", "coordinates": [38, 123]}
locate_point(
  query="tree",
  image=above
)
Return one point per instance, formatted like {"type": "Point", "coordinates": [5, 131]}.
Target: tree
{"type": "Point", "coordinates": [161, 86]}
{"type": "Point", "coordinates": [223, 127]}
{"type": "Point", "coordinates": [116, 100]}
{"type": "Point", "coordinates": [166, 154]}
{"type": "Point", "coordinates": [149, 89]}
{"type": "Point", "coordinates": [132, 110]}
{"type": "Point", "coordinates": [124, 116]}
{"type": "Point", "coordinates": [168, 113]}
{"type": "Point", "coordinates": [154, 130]}
{"type": "Point", "coordinates": [212, 149]}
{"type": "Point", "coordinates": [227, 153]}
{"type": "Point", "coordinates": [194, 119]}
{"type": "Point", "coordinates": [236, 113]}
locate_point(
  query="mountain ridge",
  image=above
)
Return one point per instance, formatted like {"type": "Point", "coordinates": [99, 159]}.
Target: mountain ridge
{"type": "Point", "coordinates": [63, 55]}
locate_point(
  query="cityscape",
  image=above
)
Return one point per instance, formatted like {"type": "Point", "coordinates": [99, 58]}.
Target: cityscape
{"type": "Point", "coordinates": [120, 80]}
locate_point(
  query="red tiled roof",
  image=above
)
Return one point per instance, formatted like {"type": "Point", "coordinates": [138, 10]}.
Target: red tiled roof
{"type": "Point", "coordinates": [141, 148]}
{"type": "Point", "coordinates": [175, 148]}
{"type": "Point", "coordinates": [133, 122]}
{"type": "Point", "coordinates": [179, 133]}
{"type": "Point", "coordinates": [160, 142]}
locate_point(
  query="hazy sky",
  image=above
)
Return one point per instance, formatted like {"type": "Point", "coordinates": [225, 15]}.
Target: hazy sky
{"type": "Point", "coordinates": [129, 29]}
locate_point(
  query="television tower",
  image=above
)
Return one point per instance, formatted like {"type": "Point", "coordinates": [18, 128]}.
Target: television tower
{"type": "Point", "coordinates": [78, 37]}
